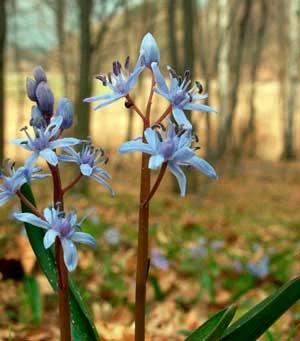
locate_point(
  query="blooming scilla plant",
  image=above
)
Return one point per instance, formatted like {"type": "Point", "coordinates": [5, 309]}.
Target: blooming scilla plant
{"type": "Point", "coordinates": [167, 142]}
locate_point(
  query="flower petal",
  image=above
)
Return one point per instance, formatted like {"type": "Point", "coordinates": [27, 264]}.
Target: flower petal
{"type": "Point", "coordinates": [181, 119]}
{"type": "Point", "coordinates": [84, 238]}
{"type": "Point", "coordinates": [203, 166]}
{"type": "Point", "coordinates": [183, 155]}
{"type": "Point", "coordinates": [180, 176]}
{"type": "Point", "coordinates": [135, 146]}
{"type": "Point", "coordinates": [103, 182]}
{"type": "Point", "coordinates": [86, 169]}
{"type": "Point", "coordinates": [65, 142]}
{"type": "Point", "coordinates": [49, 155]}
{"type": "Point", "coordinates": [161, 83]}
{"type": "Point", "coordinates": [70, 254]}
{"type": "Point", "coordinates": [152, 138]}
{"type": "Point", "coordinates": [156, 161]}
{"type": "Point", "coordinates": [32, 219]}
{"type": "Point", "coordinates": [49, 238]}
{"type": "Point", "coordinates": [198, 107]}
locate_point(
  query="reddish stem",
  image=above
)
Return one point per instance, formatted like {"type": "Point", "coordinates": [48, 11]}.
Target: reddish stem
{"type": "Point", "coordinates": [29, 205]}
{"type": "Point", "coordinates": [72, 183]}
{"type": "Point", "coordinates": [157, 183]}
{"type": "Point", "coordinates": [63, 287]}
{"type": "Point", "coordinates": [135, 107]}
{"type": "Point", "coordinates": [149, 103]}
{"type": "Point", "coordinates": [164, 115]}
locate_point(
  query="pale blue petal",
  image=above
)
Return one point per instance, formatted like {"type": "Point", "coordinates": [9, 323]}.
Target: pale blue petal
{"type": "Point", "coordinates": [132, 79]}
{"type": "Point", "coordinates": [161, 83]}
{"type": "Point", "coordinates": [114, 97]}
{"type": "Point", "coordinates": [50, 215]}
{"type": "Point", "coordinates": [66, 158]}
{"type": "Point", "coordinates": [30, 162]}
{"type": "Point", "coordinates": [65, 142]}
{"type": "Point", "coordinates": [156, 161]}
{"type": "Point", "coordinates": [185, 139]}
{"type": "Point", "coordinates": [199, 97]}
{"type": "Point", "coordinates": [84, 238]}
{"type": "Point", "coordinates": [102, 172]}
{"type": "Point", "coordinates": [203, 166]}
{"type": "Point", "coordinates": [164, 94]}
{"type": "Point", "coordinates": [152, 139]}
{"type": "Point", "coordinates": [32, 219]}
{"type": "Point", "coordinates": [103, 182]}
{"type": "Point", "coordinates": [135, 146]}
{"type": "Point", "coordinates": [180, 176]}
{"type": "Point", "coordinates": [86, 169]}
{"type": "Point", "coordinates": [54, 125]}
{"type": "Point", "coordinates": [4, 197]}
{"type": "Point", "coordinates": [180, 118]}
{"type": "Point", "coordinates": [198, 107]}
{"type": "Point", "coordinates": [49, 238]}
{"type": "Point", "coordinates": [98, 98]}
{"type": "Point", "coordinates": [183, 155]}
{"type": "Point", "coordinates": [70, 254]}
{"type": "Point", "coordinates": [49, 155]}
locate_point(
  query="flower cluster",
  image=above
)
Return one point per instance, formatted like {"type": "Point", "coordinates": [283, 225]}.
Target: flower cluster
{"type": "Point", "coordinates": [176, 149]}
{"type": "Point", "coordinates": [45, 142]}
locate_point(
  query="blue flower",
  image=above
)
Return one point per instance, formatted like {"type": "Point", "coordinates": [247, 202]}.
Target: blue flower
{"type": "Point", "coordinates": [87, 159]}
{"type": "Point", "coordinates": [16, 178]}
{"type": "Point", "coordinates": [258, 266]}
{"type": "Point", "coordinates": [45, 141]}
{"type": "Point", "coordinates": [10, 184]}
{"type": "Point", "coordinates": [119, 83]}
{"type": "Point", "coordinates": [149, 51]}
{"type": "Point", "coordinates": [175, 150]}
{"type": "Point", "coordinates": [179, 96]}
{"type": "Point", "coordinates": [112, 236]}
{"type": "Point", "coordinates": [63, 227]}
{"type": "Point", "coordinates": [159, 260]}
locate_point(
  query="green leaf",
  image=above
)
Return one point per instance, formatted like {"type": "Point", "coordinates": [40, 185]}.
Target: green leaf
{"type": "Point", "coordinates": [33, 292]}
{"type": "Point", "coordinates": [220, 328]}
{"type": "Point", "coordinates": [82, 325]}
{"type": "Point", "coordinates": [258, 319]}
{"type": "Point", "coordinates": [213, 328]}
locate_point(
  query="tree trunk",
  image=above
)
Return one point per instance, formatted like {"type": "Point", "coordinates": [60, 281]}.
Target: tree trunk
{"type": "Point", "coordinates": [172, 29]}
{"type": "Point", "coordinates": [225, 130]}
{"type": "Point", "coordinates": [294, 14]}
{"type": "Point", "coordinates": [60, 10]}
{"type": "Point", "coordinates": [2, 58]}
{"type": "Point", "coordinates": [84, 82]}
{"type": "Point", "coordinates": [249, 130]}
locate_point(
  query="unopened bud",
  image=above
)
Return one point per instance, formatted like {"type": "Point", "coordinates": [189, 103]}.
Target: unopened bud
{"type": "Point", "coordinates": [39, 74]}
{"type": "Point", "coordinates": [37, 119]}
{"type": "Point", "coordinates": [45, 97]}
{"type": "Point", "coordinates": [30, 89]}
{"type": "Point", "coordinates": [149, 51]}
{"type": "Point", "coordinates": [64, 109]}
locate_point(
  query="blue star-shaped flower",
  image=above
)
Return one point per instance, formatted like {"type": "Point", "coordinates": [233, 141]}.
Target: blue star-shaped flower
{"type": "Point", "coordinates": [45, 141]}
{"type": "Point", "coordinates": [87, 159]}
{"type": "Point", "coordinates": [179, 96]}
{"type": "Point", "coordinates": [119, 83]}
{"type": "Point", "coordinates": [63, 227]}
{"type": "Point", "coordinates": [175, 150]}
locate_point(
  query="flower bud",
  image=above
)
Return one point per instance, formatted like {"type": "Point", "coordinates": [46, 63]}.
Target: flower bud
{"type": "Point", "coordinates": [30, 89]}
{"type": "Point", "coordinates": [64, 109]}
{"type": "Point", "coordinates": [37, 119]}
{"type": "Point", "coordinates": [149, 51]}
{"type": "Point", "coordinates": [45, 97]}
{"type": "Point", "coordinates": [39, 74]}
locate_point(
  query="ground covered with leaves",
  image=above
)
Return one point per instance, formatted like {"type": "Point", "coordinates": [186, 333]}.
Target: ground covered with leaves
{"type": "Point", "coordinates": [237, 240]}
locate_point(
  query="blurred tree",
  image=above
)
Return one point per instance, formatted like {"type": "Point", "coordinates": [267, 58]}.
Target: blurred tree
{"type": "Point", "coordinates": [2, 58]}
{"type": "Point", "coordinates": [172, 29]}
{"type": "Point", "coordinates": [229, 71]}
{"type": "Point", "coordinates": [257, 42]}
{"type": "Point", "coordinates": [294, 16]}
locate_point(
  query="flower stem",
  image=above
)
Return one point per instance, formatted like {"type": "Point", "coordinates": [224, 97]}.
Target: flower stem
{"type": "Point", "coordinates": [142, 252]}
{"type": "Point", "coordinates": [135, 108]}
{"type": "Point", "coordinates": [72, 183]}
{"type": "Point", "coordinates": [63, 286]}
{"type": "Point", "coordinates": [164, 115]}
{"type": "Point", "coordinates": [157, 183]}
{"type": "Point", "coordinates": [29, 205]}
